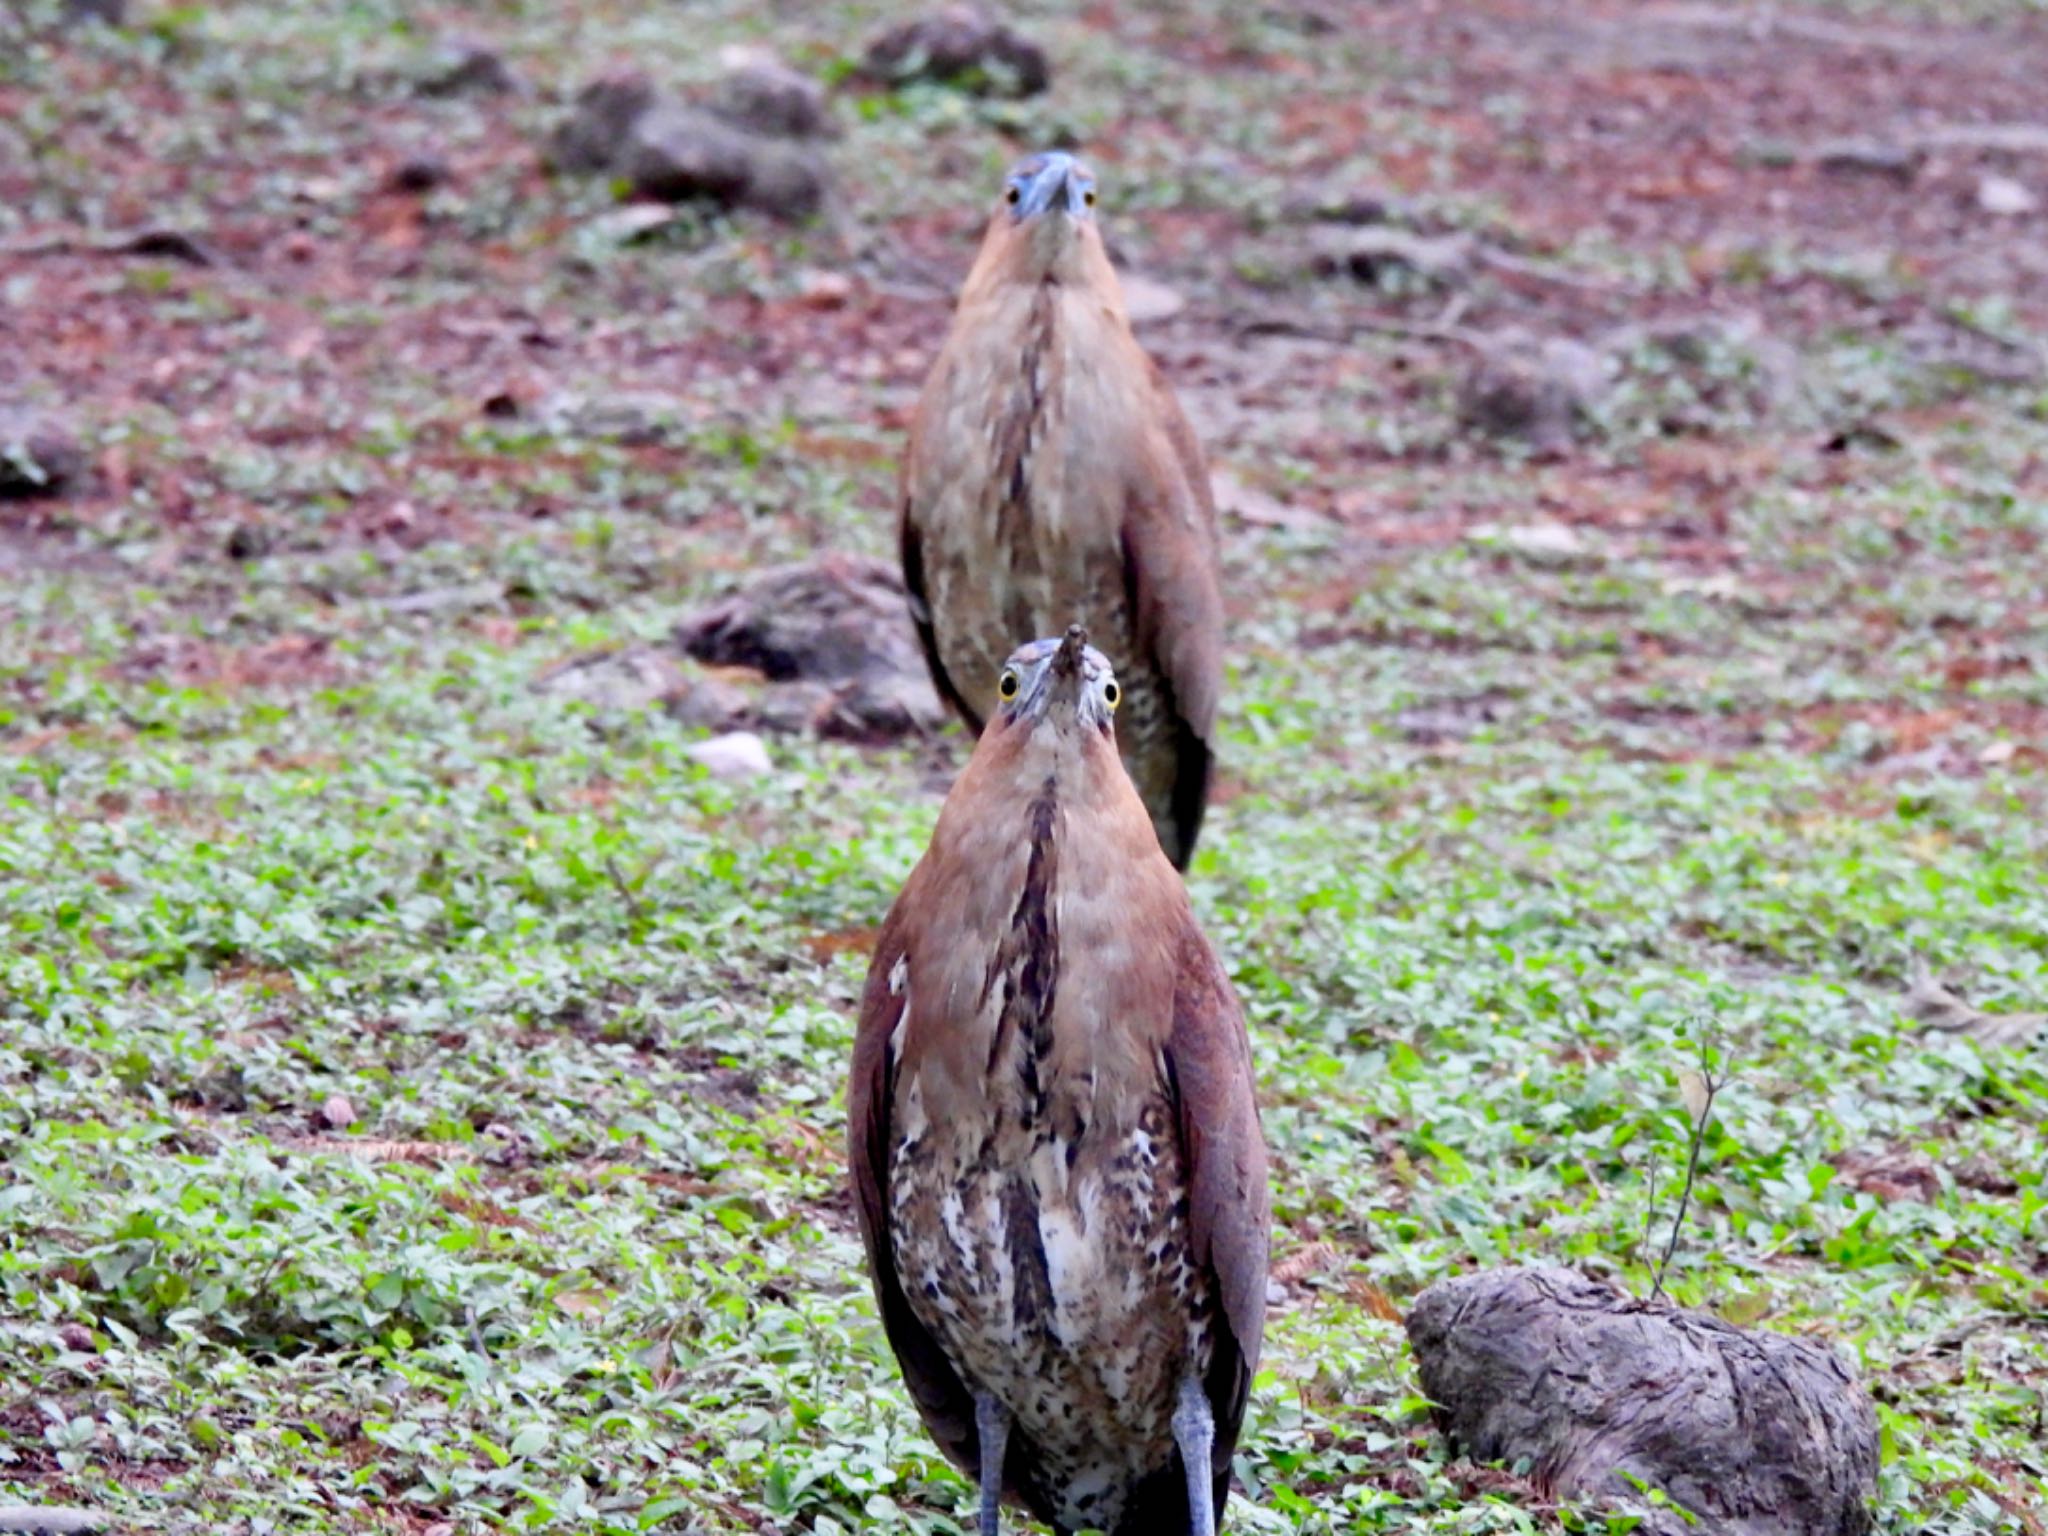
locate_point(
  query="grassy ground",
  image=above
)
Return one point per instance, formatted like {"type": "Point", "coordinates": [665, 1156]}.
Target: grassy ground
{"type": "Point", "coordinates": [420, 1095]}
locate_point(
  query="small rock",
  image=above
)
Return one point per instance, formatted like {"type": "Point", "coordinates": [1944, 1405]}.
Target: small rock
{"type": "Point", "coordinates": [467, 68]}
{"type": "Point", "coordinates": [679, 154]}
{"type": "Point", "coordinates": [1385, 256]}
{"type": "Point", "coordinates": [762, 94]}
{"type": "Point", "coordinates": [825, 290]}
{"type": "Point", "coordinates": [1865, 157]}
{"type": "Point", "coordinates": [1147, 302]}
{"type": "Point", "coordinates": [2003, 197]}
{"type": "Point", "coordinates": [960, 46]}
{"type": "Point", "coordinates": [338, 1112]}
{"type": "Point", "coordinates": [737, 755]}
{"type": "Point", "coordinates": [419, 173]}
{"type": "Point", "coordinates": [1601, 1394]}
{"type": "Point", "coordinates": [76, 1336]}
{"type": "Point", "coordinates": [40, 454]}
{"type": "Point", "coordinates": [636, 223]}
{"type": "Point", "coordinates": [1540, 541]}
{"type": "Point", "coordinates": [1538, 391]}
{"type": "Point", "coordinates": [593, 138]}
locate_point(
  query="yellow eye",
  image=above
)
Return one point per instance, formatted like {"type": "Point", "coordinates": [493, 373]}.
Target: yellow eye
{"type": "Point", "coordinates": [1112, 696]}
{"type": "Point", "coordinates": [1088, 197]}
{"type": "Point", "coordinates": [1013, 195]}
{"type": "Point", "coordinates": [1007, 687]}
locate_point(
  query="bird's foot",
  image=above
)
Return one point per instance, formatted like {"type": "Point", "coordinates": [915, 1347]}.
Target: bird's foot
{"type": "Point", "coordinates": [992, 1427]}
{"type": "Point", "coordinates": [1194, 1431]}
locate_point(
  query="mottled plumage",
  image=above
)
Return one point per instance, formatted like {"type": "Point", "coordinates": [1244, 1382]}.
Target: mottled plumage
{"type": "Point", "coordinates": [1056, 1155]}
{"type": "Point", "coordinates": [1052, 478]}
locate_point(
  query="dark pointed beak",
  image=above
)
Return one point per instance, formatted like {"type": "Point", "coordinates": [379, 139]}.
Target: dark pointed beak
{"type": "Point", "coordinates": [1066, 661]}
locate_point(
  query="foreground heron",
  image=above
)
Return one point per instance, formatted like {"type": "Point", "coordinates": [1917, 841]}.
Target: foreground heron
{"type": "Point", "coordinates": [1056, 1154]}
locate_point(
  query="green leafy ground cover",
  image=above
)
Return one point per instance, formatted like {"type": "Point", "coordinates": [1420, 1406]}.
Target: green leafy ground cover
{"type": "Point", "coordinates": [420, 1093]}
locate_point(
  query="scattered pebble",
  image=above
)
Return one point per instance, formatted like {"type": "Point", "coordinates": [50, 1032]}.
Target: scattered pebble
{"type": "Point", "coordinates": [2003, 197]}
{"type": "Point", "coordinates": [737, 755]}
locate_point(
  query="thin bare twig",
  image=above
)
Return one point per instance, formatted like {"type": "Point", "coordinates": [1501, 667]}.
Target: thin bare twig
{"type": "Point", "coordinates": [1713, 1086]}
{"type": "Point", "coordinates": [626, 892]}
{"type": "Point", "coordinates": [173, 244]}
{"type": "Point", "coordinates": [1349, 330]}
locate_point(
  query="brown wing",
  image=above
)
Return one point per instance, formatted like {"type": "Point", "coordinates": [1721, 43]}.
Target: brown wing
{"type": "Point", "coordinates": [1209, 1063]}
{"type": "Point", "coordinates": [1170, 572]}
{"type": "Point", "coordinates": [911, 541]}
{"type": "Point", "coordinates": [945, 1405]}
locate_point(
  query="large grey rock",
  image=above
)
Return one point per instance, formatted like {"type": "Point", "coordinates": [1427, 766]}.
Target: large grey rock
{"type": "Point", "coordinates": [681, 154]}
{"type": "Point", "coordinates": [959, 45]}
{"type": "Point", "coordinates": [1539, 390]}
{"type": "Point", "coordinates": [1755, 1434]}
{"type": "Point", "coordinates": [593, 137]}
{"type": "Point", "coordinates": [762, 94]}
{"type": "Point", "coordinates": [834, 634]}
{"type": "Point", "coordinates": [665, 148]}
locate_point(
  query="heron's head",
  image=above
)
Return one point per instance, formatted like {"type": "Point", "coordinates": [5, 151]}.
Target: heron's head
{"type": "Point", "coordinates": [1044, 228]}
{"type": "Point", "coordinates": [1052, 188]}
{"type": "Point", "coordinates": [1060, 683]}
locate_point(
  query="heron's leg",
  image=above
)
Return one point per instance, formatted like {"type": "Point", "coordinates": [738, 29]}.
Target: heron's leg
{"type": "Point", "coordinates": [992, 1427]}
{"type": "Point", "coordinates": [1194, 1431]}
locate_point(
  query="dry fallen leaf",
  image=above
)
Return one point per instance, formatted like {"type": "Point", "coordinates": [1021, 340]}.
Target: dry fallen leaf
{"type": "Point", "coordinates": [1692, 1087]}
{"type": "Point", "coordinates": [1374, 1300]}
{"type": "Point", "coordinates": [1303, 1262]}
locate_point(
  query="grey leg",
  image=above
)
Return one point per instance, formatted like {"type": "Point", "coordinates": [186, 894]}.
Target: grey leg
{"type": "Point", "coordinates": [992, 1426]}
{"type": "Point", "coordinates": [1194, 1431]}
